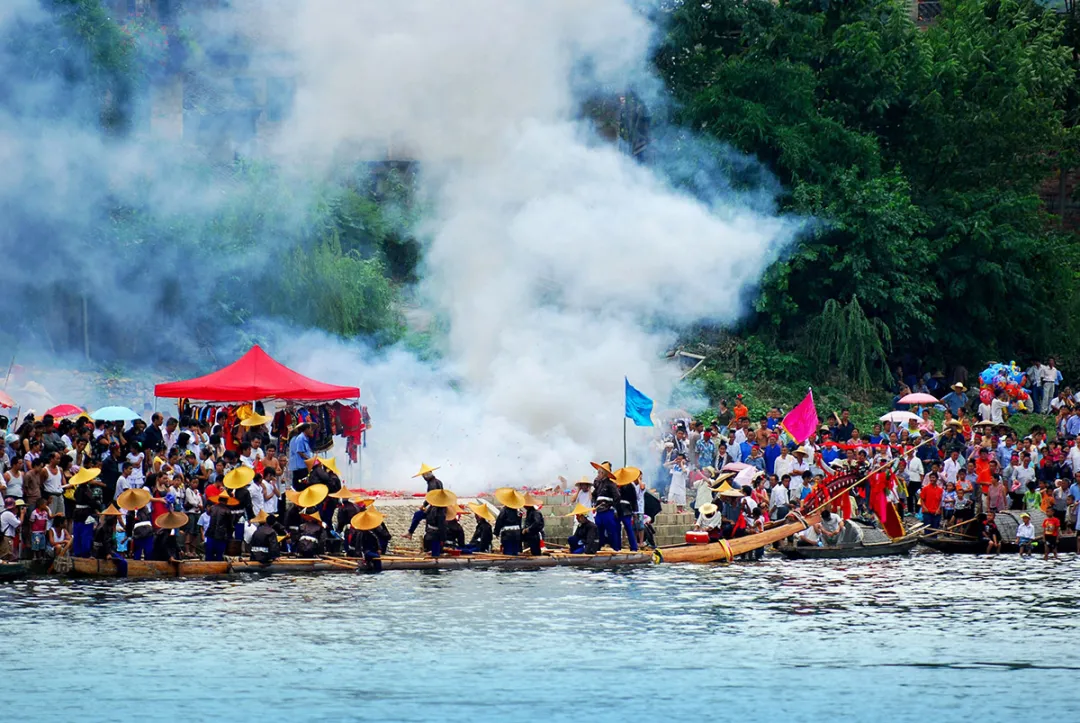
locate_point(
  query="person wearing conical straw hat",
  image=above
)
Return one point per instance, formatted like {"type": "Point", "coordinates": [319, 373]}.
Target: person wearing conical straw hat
{"type": "Point", "coordinates": [347, 509]}
{"type": "Point", "coordinates": [626, 479]}
{"type": "Point", "coordinates": [455, 533]}
{"type": "Point", "coordinates": [508, 523]}
{"type": "Point", "coordinates": [482, 535]}
{"type": "Point", "coordinates": [586, 538]}
{"type": "Point", "coordinates": [105, 542]}
{"type": "Point", "coordinates": [221, 528]}
{"type": "Point", "coordinates": [428, 473]}
{"type": "Point", "coordinates": [438, 500]}
{"type": "Point", "coordinates": [364, 524]}
{"type": "Point", "coordinates": [166, 541]}
{"type": "Point", "coordinates": [582, 493]}
{"type": "Point", "coordinates": [265, 547]}
{"type": "Point", "coordinates": [532, 525]}
{"type": "Point", "coordinates": [139, 524]}
{"type": "Point", "coordinates": [604, 497]}
{"type": "Point", "coordinates": [86, 506]}
{"type": "Point", "coordinates": [323, 472]}
{"type": "Point", "coordinates": [312, 534]}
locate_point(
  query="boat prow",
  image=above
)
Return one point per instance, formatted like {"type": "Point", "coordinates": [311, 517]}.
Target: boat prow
{"type": "Point", "coordinates": [728, 550]}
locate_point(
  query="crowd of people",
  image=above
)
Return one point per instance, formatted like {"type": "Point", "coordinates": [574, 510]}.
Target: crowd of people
{"type": "Point", "coordinates": [950, 463]}
{"type": "Point", "coordinates": [167, 489]}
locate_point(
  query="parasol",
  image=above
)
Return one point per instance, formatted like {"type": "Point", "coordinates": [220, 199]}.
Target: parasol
{"type": "Point", "coordinates": [64, 410]}
{"type": "Point", "coordinates": [5, 400]}
{"type": "Point", "coordinates": [900, 417]}
{"type": "Point", "coordinates": [735, 467]}
{"type": "Point", "coordinates": [918, 398]}
{"type": "Point", "coordinates": [115, 414]}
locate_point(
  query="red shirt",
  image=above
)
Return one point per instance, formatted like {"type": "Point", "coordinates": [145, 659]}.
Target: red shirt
{"type": "Point", "coordinates": [1051, 526]}
{"type": "Point", "coordinates": [931, 498]}
{"type": "Point", "coordinates": [982, 473]}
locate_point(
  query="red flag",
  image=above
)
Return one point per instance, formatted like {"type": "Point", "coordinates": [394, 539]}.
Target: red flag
{"type": "Point", "coordinates": [886, 513]}
{"type": "Point", "coordinates": [893, 524]}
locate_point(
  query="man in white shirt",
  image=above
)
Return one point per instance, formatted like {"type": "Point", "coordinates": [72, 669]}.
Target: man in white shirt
{"type": "Point", "coordinates": [998, 407]}
{"type": "Point", "coordinates": [778, 499]}
{"type": "Point", "coordinates": [172, 434]}
{"type": "Point", "coordinates": [785, 463]}
{"type": "Point", "coordinates": [9, 528]}
{"type": "Point", "coordinates": [952, 466]}
{"type": "Point", "coordinates": [1073, 459]}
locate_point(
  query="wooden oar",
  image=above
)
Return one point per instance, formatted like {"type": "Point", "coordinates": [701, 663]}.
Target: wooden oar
{"type": "Point", "coordinates": [338, 563]}
{"type": "Point", "coordinates": [954, 534]}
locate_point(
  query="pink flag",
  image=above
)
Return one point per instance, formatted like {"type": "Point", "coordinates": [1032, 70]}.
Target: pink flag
{"type": "Point", "coordinates": [802, 421]}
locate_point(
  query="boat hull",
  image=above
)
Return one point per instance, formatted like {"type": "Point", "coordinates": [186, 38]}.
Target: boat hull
{"type": "Point", "coordinates": [138, 569]}
{"type": "Point", "coordinates": [840, 552]}
{"type": "Point", "coordinates": [727, 550]}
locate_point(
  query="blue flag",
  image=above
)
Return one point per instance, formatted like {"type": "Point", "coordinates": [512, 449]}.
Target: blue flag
{"type": "Point", "coordinates": [638, 406]}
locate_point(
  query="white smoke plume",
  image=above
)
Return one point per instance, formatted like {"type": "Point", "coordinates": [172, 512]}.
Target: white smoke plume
{"type": "Point", "coordinates": [559, 264]}
{"type": "Point", "coordinates": [555, 263]}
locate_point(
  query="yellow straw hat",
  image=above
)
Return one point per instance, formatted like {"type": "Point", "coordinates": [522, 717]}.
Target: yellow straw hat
{"type": "Point", "coordinates": [292, 496]}
{"type": "Point", "coordinates": [627, 475]}
{"type": "Point", "coordinates": [329, 462]}
{"type": "Point", "coordinates": [441, 498]}
{"type": "Point", "coordinates": [343, 494]}
{"type": "Point", "coordinates": [483, 511]}
{"type": "Point", "coordinates": [256, 420]}
{"type": "Point", "coordinates": [83, 476]}
{"type": "Point", "coordinates": [133, 499]}
{"type": "Point", "coordinates": [723, 488]}
{"type": "Point", "coordinates": [171, 520]}
{"type": "Point", "coordinates": [510, 497]}
{"type": "Point", "coordinates": [227, 499]}
{"type": "Point", "coordinates": [531, 501]}
{"type": "Point", "coordinates": [580, 509]}
{"type": "Point", "coordinates": [605, 468]}
{"type": "Point", "coordinates": [111, 511]}
{"type": "Point", "coordinates": [424, 469]}
{"type": "Point", "coordinates": [367, 520]}
{"type": "Point", "coordinates": [260, 518]}
{"type": "Point", "coordinates": [312, 496]}
{"type": "Point", "coordinates": [312, 514]}
{"type": "Point", "coordinates": [239, 477]}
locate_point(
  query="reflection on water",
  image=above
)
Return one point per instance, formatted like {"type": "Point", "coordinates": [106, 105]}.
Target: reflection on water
{"type": "Point", "coordinates": [925, 638]}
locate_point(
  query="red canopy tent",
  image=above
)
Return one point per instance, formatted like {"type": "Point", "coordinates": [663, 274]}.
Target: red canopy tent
{"type": "Point", "coordinates": [252, 377]}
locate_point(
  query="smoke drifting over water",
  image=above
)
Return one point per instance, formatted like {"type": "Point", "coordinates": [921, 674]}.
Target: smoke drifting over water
{"type": "Point", "coordinates": [559, 264]}
{"type": "Point", "coordinates": [556, 263]}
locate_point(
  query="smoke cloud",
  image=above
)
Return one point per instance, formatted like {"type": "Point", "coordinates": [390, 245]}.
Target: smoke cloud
{"type": "Point", "coordinates": [554, 264]}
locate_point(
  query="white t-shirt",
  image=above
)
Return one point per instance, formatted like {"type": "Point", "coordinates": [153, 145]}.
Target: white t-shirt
{"type": "Point", "coordinates": [784, 465]}
{"type": "Point", "coordinates": [9, 523]}
{"type": "Point", "coordinates": [996, 408]}
{"type": "Point", "coordinates": [270, 504]}
{"type": "Point", "coordinates": [256, 491]}
{"type": "Point", "coordinates": [1026, 530]}
{"type": "Point", "coordinates": [778, 497]}
{"type": "Point", "coordinates": [951, 468]}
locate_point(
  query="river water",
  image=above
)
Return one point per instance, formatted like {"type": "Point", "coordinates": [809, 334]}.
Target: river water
{"type": "Point", "coordinates": [925, 638]}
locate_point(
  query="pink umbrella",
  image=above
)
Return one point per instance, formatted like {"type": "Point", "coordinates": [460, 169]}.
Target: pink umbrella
{"type": "Point", "coordinates": [6, 401]}
{"type": "Point", "coordinates": [734, 467]}
{"type": "Point", "coordinates": [64, 410]}
{"type": "Point", "coordinates": [918, 399]}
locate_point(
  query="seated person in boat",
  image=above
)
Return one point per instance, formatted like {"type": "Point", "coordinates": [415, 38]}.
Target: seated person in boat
{"type": "Point", "coordinates": [710, 520]}
{"type": "Point", "coordinates": [990, 533]}
{"type": "Point", "coordinates": [455, 533]}
{"type": "Point", "coordinates": [482, 536]}
{"type": "Point", "coordinates": [586, 538]}
{"type": "Point", "coordinates": [830, 528]}
{"type": "Point", "coordinates": [734, 518]}
{"type": "Point", "coordinates": [312, 535]}
{"type": "Point", "coordinates": [265, 547]}
{"type": "Point", "coordinates": [532, 527]}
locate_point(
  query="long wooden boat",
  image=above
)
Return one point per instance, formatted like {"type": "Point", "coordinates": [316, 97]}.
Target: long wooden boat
{"type": "Point", "coordinates": [728, 550]}
{"type": "Point", "coordinates": [13, 570]}
{"type": "Point", "coordinates": [965, 542]}
{"type": "Point", "coordinates": [89, 567]}
{"type": "Point", "coordinates": [859, 540]}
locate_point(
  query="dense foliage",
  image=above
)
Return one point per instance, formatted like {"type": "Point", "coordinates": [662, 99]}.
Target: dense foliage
{"type": "Point", "coordinates": [918, 151]}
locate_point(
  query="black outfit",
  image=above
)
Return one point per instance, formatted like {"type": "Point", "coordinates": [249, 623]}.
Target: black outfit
{"type": "Point", "coordinates": [105, 538]}
{"type": "Point", "coordinates": [434, 483]}
{"type": "Point", "coordinates": [842, 432]}
{"type": "Point", "coordinates": [312, 539]}
{"type": "Point", "coordinates": [264, 544]}
{"type": "Point", "coordinates": [455, 534]}
{"type": "Point", "coordinates": [371, 549]}
{"type": "Point", "coordinates": [627, 500]}
{"type": "Point", "coordinates": [85, 504]}
{"type": "Point", "coordinates": [221, 523]}
{"type": "Point", "coordinates": [293, 520]}
{"type": "Point", "coordinates": [605, 493]}
{"type": "Point", "coordinates": [346, 512]}
{"type": "Point", "coordinates": [110, 472]}
{"type": "Point", "coordinates": [532, 530]}
{"type": "Point", "coordinates": [586, 538]}
{"type": "Point", "coordinates": [508, 530]}
{"type": "Point", "coordinates": [481, 539]}
{"type": "Point", "coordinates": [166, 546]}
{"type": "Point", "coordinates": [382, 533]}
{"type": "Point", "coordinates": [435, 530]}
{"type": "Point", "coordinates": [153, 440]}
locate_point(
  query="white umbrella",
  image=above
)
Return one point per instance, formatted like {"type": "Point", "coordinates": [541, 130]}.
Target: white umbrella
{"type": "Point", "coordinates": [735, 467]}
{"type": "Point", "coordinates": [900, 417]}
